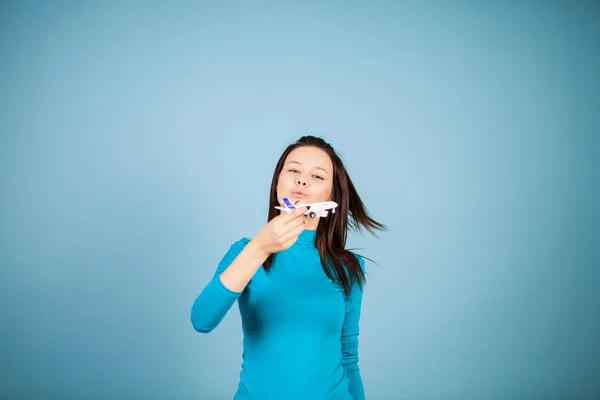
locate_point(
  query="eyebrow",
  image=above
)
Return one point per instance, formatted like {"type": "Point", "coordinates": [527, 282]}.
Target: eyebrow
{"type": "Point", "coordinates": [299, 163]}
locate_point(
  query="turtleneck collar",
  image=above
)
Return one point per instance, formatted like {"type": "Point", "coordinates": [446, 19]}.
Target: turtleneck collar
{"type": "Point", "coordinates": [307, 238]}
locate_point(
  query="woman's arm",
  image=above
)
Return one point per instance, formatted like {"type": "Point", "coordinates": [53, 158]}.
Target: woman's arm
{"type": "Point", "coordinates": [239, 265]}
{"type": "Point", "coordinates": [236, 269]}
{"type": "Point", "coordinates": [237, 275]}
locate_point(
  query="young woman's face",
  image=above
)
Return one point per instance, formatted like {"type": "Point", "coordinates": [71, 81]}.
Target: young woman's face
{"type": "Point", "coordinates": [306, 177]}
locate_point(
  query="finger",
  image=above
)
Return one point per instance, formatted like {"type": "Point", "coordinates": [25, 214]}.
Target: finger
{"type": "Point", "coordinates": [293, 234]}
{"type": "Point", "coordinates": [286, 216]}
{"type": "Point", "coordinates": [298, 212]}
{"type": "Point", "coordinates": [286, 229]}
{"type": "Point", "coordinates": [294, 224]}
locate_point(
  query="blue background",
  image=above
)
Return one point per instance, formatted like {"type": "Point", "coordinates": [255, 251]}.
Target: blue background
{"type": "Point", "coordinates": [138, 141]}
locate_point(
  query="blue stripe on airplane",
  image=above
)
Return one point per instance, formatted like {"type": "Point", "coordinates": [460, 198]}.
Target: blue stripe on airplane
{"type": "Point", "coordinates": [288, 203]}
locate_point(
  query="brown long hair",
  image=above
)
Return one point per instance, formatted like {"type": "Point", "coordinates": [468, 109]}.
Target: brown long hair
{"type": "Point", "coordinates": [332, 231]}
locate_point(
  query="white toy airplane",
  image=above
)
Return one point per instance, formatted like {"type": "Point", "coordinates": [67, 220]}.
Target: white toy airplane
{"type": "Point", "coordinates": [312, 209]}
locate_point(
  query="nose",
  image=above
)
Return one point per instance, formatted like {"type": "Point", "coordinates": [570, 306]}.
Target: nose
{"type": "Point", "coordinates": [301, 182]}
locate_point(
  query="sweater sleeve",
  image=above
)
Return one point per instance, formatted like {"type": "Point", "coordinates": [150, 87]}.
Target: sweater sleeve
{"type": "Point", "coordinates": [350, 331]}
{"type": "Point", "coordinates": [215, 300]}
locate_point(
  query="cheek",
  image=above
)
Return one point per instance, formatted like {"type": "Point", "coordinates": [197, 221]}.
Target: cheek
{"type": "Point", "coordinates": [329, 191]}
{"type": "Point", "coordinates": [324, 190]}
{"type": "Point", "coordinates": [281, 182]}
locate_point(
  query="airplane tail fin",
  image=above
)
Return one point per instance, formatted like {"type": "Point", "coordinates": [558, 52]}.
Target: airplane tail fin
{"type": "Point", "coordinates": [289, 207]}
{"type": "Point", "coordinates": [288, 203]}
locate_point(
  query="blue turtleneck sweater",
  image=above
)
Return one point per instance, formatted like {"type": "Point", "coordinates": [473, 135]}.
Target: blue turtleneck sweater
{"type": "Point", "coordinates": [300, 331]}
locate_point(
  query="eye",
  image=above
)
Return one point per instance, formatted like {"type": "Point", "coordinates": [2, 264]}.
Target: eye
{"type": "Point", "coordinates": [293, 170]}
{"type": "Point", "coordinates": [318, 177]}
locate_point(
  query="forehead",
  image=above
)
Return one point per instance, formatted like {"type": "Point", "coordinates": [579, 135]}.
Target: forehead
{"type": "Point", "coordinates": [310, 157]}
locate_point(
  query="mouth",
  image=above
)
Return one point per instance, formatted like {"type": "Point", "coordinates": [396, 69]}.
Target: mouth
{"type": "Point", "coordinates": [299, 195]}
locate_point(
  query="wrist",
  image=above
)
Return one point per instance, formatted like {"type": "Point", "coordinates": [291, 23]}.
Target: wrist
{"type": "Point", "coordinates": [257, 249]}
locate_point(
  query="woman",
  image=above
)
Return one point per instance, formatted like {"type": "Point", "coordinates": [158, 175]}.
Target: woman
{"type": "Point", "coordinates": [298, 289]}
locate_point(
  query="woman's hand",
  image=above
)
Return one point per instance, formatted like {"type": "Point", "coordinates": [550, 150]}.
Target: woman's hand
{"type": "Point", "coordinates": [281, 232]}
